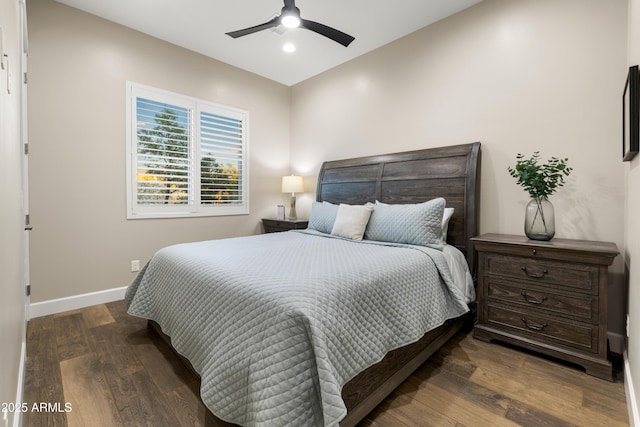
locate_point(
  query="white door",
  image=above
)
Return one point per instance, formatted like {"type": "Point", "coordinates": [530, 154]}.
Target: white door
{"type": "Point", "coordinates": [25, 155]}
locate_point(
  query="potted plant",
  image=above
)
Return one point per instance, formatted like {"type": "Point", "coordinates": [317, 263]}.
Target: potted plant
{"type": "Point", "coordinates": [540, 180]}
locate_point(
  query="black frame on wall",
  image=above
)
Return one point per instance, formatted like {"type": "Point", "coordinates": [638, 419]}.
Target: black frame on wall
{"type": "Point", "coordinates": [630, 115]}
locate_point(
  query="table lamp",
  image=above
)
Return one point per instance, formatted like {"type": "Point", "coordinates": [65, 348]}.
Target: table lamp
{"type": "Point", "coordinates": [292, 184]}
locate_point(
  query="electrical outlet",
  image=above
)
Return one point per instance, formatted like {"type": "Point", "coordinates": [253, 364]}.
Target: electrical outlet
{"type": "Point", "coordinates": [135, 265]}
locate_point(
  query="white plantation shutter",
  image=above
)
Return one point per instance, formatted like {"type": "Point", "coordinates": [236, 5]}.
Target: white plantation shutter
{"type": "Point", "coordinates": [222, 158]}
{"type": "Point", "coordinates": [163, 160]}
{"type": "Point", "coordinates": [187, 157]}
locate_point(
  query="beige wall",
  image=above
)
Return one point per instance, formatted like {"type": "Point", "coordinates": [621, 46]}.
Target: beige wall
{"type": "Point", "coordinates": [12, 315]}
{"type": "Point", "coordinates": [82, 241]}
{"type": "Point", "coordinates": [632, 213]}
{"type": "Point", "coordinates": [518, 76]}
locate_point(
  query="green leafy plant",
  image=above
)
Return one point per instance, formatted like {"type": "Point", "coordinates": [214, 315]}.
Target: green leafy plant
{"type": "Point", "coordinates": [540, 180]}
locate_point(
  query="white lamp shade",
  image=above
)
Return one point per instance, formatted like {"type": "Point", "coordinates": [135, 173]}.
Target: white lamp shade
{"type": "Point", "coordinates": [292, 184]}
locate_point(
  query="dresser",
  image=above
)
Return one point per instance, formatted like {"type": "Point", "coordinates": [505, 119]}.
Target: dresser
{"type": "Point", "coordinates": [277, 225]}
{"type": "Point", "coordinates": [549, 297]}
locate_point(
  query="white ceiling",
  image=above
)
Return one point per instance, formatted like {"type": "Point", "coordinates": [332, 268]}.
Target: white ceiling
{"type": "Point", "coordinates": [200, 25]}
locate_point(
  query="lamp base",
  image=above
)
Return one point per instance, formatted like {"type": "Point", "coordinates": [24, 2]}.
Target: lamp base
{"type": "Point", "coordinates": [292, 210]}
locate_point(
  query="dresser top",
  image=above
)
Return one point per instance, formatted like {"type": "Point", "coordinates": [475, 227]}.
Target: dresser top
{"type": "Point", "coordinates": [604, 248]}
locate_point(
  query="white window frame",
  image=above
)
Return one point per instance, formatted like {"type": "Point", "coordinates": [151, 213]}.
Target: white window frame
{"type": "Point", "coordinates": [194, 207]}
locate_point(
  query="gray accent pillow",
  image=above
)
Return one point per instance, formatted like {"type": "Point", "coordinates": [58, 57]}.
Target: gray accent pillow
{"type": "Point", "coordinates": [414, 224]}
{"type": "Point", "coordinates": [322, 217]}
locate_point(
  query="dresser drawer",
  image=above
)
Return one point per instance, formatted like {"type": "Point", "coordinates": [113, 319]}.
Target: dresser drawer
{"type": "Point", "coordinates": [281, 225]}
{"type": "Point", "coordinates": [566, 275]}
{"type": "Point", "coordinates": [276, 225]}
{"type": "Point", "coordinates": [546, 329]}
{"type": "Point", "coordinates": [582, 307]}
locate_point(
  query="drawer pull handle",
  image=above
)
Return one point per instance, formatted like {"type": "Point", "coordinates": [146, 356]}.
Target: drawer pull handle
{"type": "Point", "coordinates": [532, 300]}
{"type": "Point", "coordinates": [534, 275]}
{"type": "Point", "coordinates": [533, 326]}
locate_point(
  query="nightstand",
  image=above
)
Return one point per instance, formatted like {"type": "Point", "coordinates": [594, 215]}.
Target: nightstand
{"type": "Point", "coordinates": [276, 225]}
{"type": "Point", "coordinates": [549, 297]}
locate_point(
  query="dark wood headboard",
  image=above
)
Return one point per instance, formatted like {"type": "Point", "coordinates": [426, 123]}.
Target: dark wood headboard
{"type": "Point", "coordinates": [413, 177]}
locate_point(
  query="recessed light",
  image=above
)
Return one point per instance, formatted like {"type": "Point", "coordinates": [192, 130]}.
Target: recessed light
{"type": "Point", "coordinates": [289, 47]}
{"type": "Point", "coordinates": [290, 21]}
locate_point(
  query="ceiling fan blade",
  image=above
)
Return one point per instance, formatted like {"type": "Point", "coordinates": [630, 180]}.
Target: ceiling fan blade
{"type": "Point", "coordinates": [335, 35]}
{"type": "Point", "coordinates": [239, 33]}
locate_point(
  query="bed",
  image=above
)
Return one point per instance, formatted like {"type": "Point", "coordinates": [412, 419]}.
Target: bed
{"type": "Point", "coordinates": [318, 326]}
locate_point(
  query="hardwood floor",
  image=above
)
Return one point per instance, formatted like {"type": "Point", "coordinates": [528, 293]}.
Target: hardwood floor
{"type": "Point", "coordinates": [110, 370]}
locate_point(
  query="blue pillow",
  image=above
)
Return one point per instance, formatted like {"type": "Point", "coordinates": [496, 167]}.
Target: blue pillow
{"type": "Point", "coordinates": [414, 224]}
{"type": "Point", "coordinates": [322, 217]}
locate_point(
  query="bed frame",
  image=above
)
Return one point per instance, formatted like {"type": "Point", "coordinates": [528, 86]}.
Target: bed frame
{"type": "Point", "coordinates": [409, 177]}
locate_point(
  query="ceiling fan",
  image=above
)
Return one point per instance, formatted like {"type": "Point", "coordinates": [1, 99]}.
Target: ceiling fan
{"type": "Point", "coordinates": [290, 18]}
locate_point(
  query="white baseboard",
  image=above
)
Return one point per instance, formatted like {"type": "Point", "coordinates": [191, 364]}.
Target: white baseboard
{"type": "Point", "coordinates": [60, 305]}
{"type": "Point", "coordinates": [632, 407]}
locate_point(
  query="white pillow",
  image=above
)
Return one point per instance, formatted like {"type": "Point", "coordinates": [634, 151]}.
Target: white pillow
{"type": "Point", "coordinates": [351, 221]}
{"type": "Point", "coordinates": [448, 213]}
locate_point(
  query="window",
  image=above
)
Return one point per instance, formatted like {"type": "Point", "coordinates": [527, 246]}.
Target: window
{"type": "Point", "coordinates": [186, 156]}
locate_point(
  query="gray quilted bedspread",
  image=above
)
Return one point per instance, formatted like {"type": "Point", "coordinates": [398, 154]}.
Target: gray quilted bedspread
{"type": "Point", "coordinates": [276, 324]}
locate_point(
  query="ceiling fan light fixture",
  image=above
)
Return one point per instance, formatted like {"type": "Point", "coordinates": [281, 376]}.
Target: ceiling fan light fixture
{"type": "Point", "coordinates": [289, 47]}
{"type": "Point", "coordinates": [290, 21]}
{"type": "Point", "coordinates": [290, 18]}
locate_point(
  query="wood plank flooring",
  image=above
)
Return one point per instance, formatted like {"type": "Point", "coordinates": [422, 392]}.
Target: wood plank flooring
{"type": "Point", "coordinates": [113, 371]}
